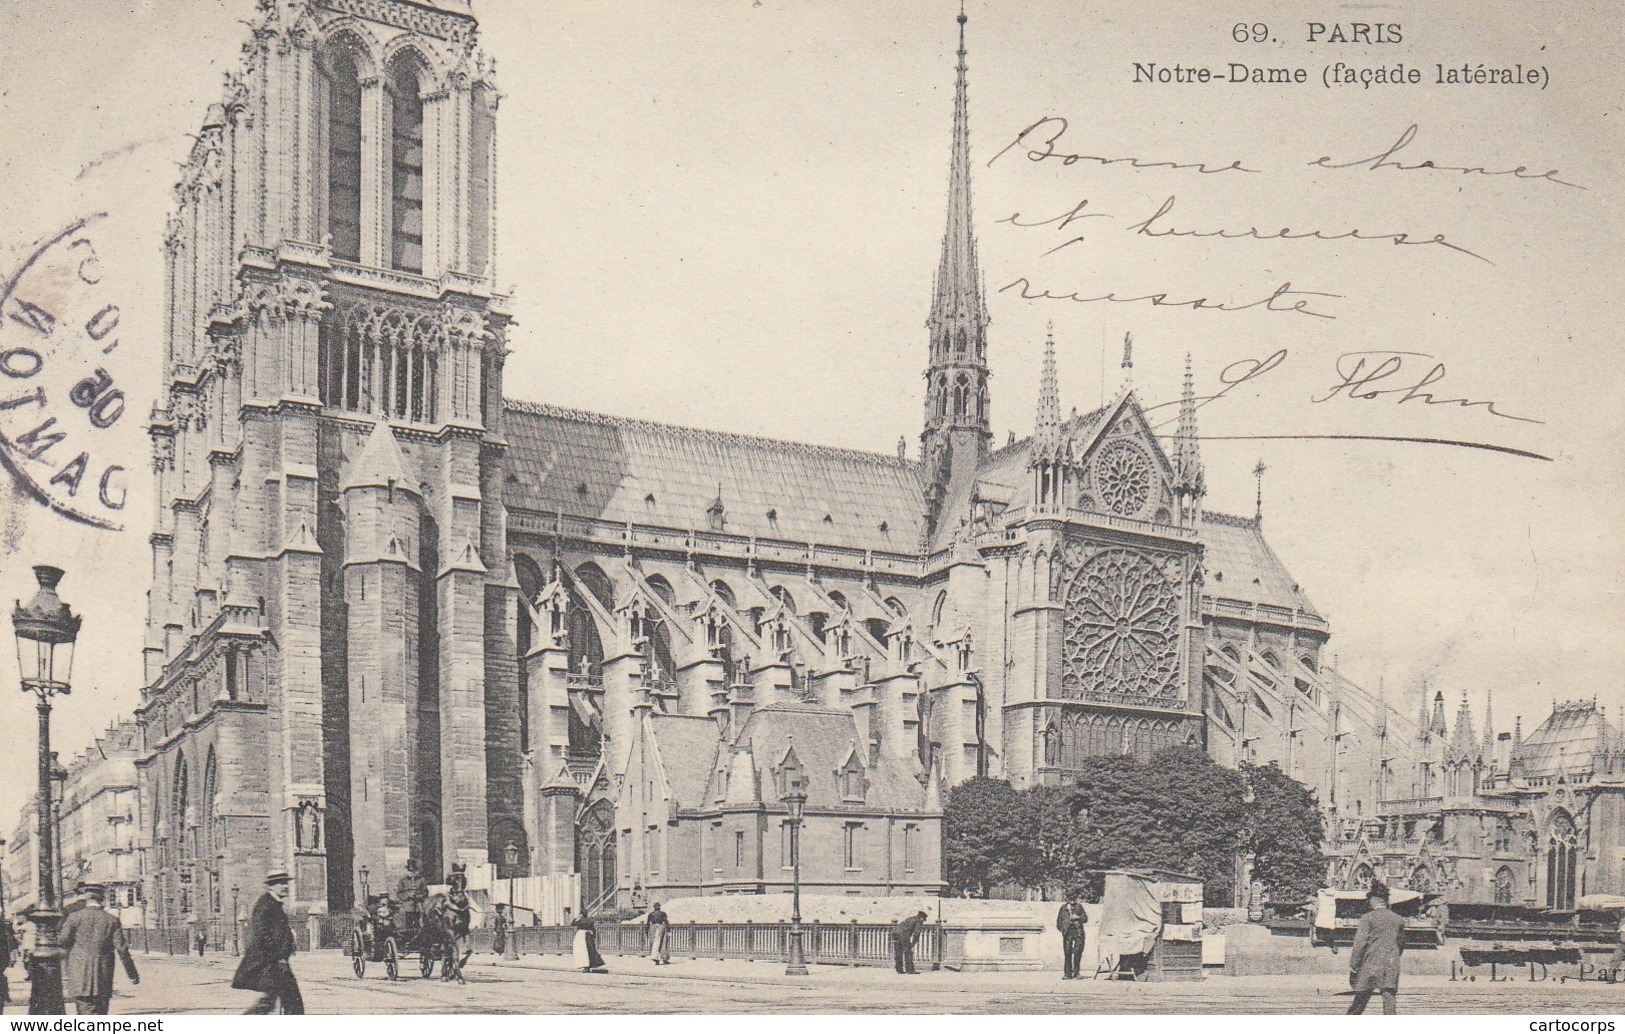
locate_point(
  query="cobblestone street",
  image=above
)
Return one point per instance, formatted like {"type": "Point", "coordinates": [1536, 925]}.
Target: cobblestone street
{"type": "Point", "coordinates": [546, 984]}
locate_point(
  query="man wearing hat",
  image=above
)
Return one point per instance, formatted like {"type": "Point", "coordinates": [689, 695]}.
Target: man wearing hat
{"type": "Point", "coordinates": [265, 965]}
{"type": "Point", "coordinates": [1374, 962]}
{"type": "Point", "coordinates": [90, 938]}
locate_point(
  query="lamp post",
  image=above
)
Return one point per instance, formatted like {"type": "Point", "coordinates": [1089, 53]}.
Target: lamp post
{"type": "Point", "coordinates": [59, 785]}
{"type": "Point", "coordinates": [236, 924]}
{"type": "Point", "coordinates": [46, 631]}
{"type": "Point", "coordinates": [364, 874]}
{"type": "Point", "coordinates": [796, 801]}
{"type": "Point", "coordinates": [510, 949]}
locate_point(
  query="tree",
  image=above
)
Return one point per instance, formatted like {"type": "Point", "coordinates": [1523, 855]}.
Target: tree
{"type": "Point", "coordinates": [1179, 811]}
{"type": "Point", "coordinates": [1286, 834]}
{"type": "Point", "coordinates": [983, 840]}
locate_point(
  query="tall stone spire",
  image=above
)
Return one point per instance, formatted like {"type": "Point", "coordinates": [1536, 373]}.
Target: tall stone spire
{"type": "Point", "coordinates": [1192, 484]}
{"type": "Point", "coordinates": [1489, 723]}
{"type": "Point", "coordinates": [956, 434]}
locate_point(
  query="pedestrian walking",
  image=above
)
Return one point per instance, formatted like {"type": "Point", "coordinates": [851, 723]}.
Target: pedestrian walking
{"type": "Point", "coordinates": [199, 940]}
{"type": "Point", "coordinates": [90, 939]}
{"type": "Point", "coordinates": [8, 947]}
{"type": "Point", "coordinates": [659, 928]}
{"type": "Point", "coordinates": [499, 939]}
{"type": "Point", "coordinates": [265, 966]}
{"type": "Point", "coordinates": [586, 946]}
{"type": "Point", "coordinates": [1071, 921]}
{"type": "Point", "coordinates": [903, 938]}
{"type": "Point", "coordinates": [1374, 962]}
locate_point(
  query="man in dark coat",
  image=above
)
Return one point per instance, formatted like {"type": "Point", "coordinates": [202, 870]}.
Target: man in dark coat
{"type": "Point", "coordinates": [90, 939]}
{"type": "Point", "coordinates": [1374, 962]}
{"type": "Point", "coordinates": [903, 937]}
{"type": "Point", "coordinates": [1071, 921]}
{"type": "Point", "coordinates": [8, 946]}
{"type": "Point", "coordinates": [270, 944]}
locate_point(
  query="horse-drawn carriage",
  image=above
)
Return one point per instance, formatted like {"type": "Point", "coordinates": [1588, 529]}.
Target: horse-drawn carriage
{"type": "Point", "coordinates": [435, 933]}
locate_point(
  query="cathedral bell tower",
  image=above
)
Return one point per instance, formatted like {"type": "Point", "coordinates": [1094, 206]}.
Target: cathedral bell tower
{"type": "Point", "coordinates": [329, 449]}
{"type": "Point", "coordinates": [956, 433]}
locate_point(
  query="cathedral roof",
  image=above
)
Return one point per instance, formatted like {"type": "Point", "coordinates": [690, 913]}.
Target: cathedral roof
{"type": "Point", "coordinates": [823, 740]}
{"type": "Point", "coordinates": [1565, 742]}
{"type": "Point", "coordinates": [622, 470]}
{"type": "Point", "coordinates": [1241, 566]}
{"type": "Point", "coordinates": [688, 750]}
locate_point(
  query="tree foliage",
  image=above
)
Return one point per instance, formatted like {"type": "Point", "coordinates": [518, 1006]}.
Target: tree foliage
{"type": "Point", "coordinates": [983, 843]}
{"type": "Point", "coordinates": [1178, 811]}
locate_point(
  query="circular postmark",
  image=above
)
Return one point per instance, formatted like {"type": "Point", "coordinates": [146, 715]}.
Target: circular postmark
{"type": "Point", "coordinates": [60, 393]}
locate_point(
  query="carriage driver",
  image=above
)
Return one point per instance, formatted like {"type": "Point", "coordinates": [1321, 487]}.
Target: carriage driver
{"type": "Point", "coordinates": [413, 890]}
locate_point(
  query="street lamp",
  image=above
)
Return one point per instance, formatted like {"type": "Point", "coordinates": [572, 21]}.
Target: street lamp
{"type": "Point", "coordinates": [366, 888]}
{"type": "Point", "coordinates": [46, 631]}
{"type": "Point", "coordinates": [236, 923]}
{"type": "Point", "coordinates": [795, 799]}
{"type": "Point", "coordinates": [510, 949]}
{"type": "Point", "coordinates": [59, 789]}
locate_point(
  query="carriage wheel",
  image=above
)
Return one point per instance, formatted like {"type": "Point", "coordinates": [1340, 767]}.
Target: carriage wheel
{"type": "Point", "coordinates": [358, 954]}
{"type": "Point", "coordinates": [426, 962]}
{"type": "Point", "coordinates": [392, 959]}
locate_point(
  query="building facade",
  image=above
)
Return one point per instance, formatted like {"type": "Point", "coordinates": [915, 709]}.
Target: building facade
{"type": "Point", "coordinates": [395, 614]}
{"type": "Point", "coordinates": [1500, 819]}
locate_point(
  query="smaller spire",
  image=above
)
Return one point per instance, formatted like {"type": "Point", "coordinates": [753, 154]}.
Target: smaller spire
{"type": "Point", "coordinates": [1258, 515]}
{"type": "Point", "coordinates": [1048, 422]}
{"type": "Point", "coordinates": [1128, 361]}
{"type": "Point", "coordinates": [1489, 722]}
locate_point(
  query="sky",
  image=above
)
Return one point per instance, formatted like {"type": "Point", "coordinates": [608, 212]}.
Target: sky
{"type": "Point", "coordinates": [727, 213]}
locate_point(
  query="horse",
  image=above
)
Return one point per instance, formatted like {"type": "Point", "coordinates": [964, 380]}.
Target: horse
{"type": "Point", "coordinates": [445, 933]}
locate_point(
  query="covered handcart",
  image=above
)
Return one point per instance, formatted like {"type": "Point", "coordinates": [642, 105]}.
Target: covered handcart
{"type": "Point", "coordinates": [1338, 912]}
{"type": "Point", "coordinates": [1151, 925]}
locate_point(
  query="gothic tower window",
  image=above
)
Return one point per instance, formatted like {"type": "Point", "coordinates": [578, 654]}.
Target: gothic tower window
{"type": "Point", "coordinates": [1561, 845]}
{"type": "Point", "coordinates": [344, 159]}
{"type": "Point", "coordinates": [406, 181]}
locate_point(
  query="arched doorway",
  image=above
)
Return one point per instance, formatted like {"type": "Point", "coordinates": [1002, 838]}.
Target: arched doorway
{"type": "Point", "coordinates": [595, 856]}
{"type": "Point", "coordinates": [1562, 842]}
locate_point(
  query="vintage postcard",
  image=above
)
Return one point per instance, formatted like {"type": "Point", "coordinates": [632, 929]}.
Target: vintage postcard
{"type": "Point", "coordinates": [750, 506]}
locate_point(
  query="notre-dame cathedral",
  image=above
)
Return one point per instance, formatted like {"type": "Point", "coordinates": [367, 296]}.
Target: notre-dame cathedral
{"type": "Point", "coordinates": [399, 615]}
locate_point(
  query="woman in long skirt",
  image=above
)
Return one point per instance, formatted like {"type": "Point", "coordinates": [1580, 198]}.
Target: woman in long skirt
{"type": "Point", "coordinates": [659, 927]}
{"type": "Point", "coordinates": [586, 947]}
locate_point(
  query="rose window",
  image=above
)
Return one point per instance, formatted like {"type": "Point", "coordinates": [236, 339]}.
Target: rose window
{"type": "Point", "coordinates": [1123, 478]}
{"type": "Point", "coordinates": [1121, 626]}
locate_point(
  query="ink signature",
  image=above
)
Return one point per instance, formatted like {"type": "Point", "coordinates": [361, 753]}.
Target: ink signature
{"type": "Point", "coordinates": [1232, 377]}
{"type": "Point", "coordinates": [1361, 370]}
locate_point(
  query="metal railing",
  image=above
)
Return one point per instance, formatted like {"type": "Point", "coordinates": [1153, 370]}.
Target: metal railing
{"type": "Point", "coordinates": [830, 944]}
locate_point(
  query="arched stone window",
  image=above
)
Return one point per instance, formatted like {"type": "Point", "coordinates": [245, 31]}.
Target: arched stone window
{"type": "Point", "coordinates": [1504, 884]}
{"type": "Point", "coordinates": [529, 575]}
{"type": "Point", "coordinates": [961, 395]}
{"type": "Point", "coordinates": [782, 594]}
{"type": "Point", "coordinates": [179, 802]}
{"type": "Point", "coordinates": [724, 593]}
{"type": "Point", "coordinates": [406, 166]}
{"type": "Point", "coordinates": [1562, 842]}
{"type": "Point", "coordinates": [344, 156]}
{"type": "Point", "coordinates": [662, 588]}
